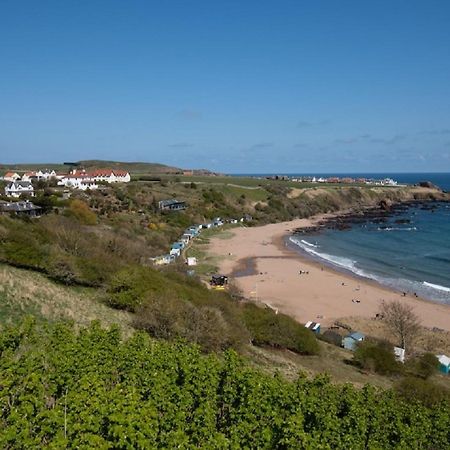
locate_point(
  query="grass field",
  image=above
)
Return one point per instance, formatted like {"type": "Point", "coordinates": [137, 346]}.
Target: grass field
{"type": "Point", "coordinates": [23, 293]}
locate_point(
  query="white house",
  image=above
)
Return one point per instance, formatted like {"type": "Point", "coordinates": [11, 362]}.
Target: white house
{"type": "Point", "coordinates": [82, 179]}
{"type": "Point", "coordinates": [11, 176]}
{"type": "Point", "coordinates": [18, 188]}
{"type": "Point", "coordinates": [110, 175]}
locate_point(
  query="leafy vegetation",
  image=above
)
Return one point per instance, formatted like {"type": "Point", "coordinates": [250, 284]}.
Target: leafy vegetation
{"type": "Point", "coordinates": [62, 389]}
{"type": "Point", "coordinates": [278, 330]}
{"type": "Point", "coordinates": [377, 356]}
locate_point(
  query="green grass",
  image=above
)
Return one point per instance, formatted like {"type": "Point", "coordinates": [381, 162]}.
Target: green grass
{"type": "Point", "coordinates": [24, 292]}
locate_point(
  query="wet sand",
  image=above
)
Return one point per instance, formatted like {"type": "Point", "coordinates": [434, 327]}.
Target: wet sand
{"type": "Point", "coordinates": [267, 270]}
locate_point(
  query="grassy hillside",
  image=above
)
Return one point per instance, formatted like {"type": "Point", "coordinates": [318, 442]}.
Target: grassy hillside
{"type": "Point", "coordinates": [23, 293]}
{"type": "Point", "coordinates": [135, 168]}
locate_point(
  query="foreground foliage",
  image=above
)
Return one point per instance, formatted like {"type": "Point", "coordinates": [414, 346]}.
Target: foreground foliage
{"type": "Point", "coordinates": [62, 389]}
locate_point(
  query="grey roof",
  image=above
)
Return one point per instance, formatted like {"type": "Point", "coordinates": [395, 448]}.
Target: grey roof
{"type": "Point", "coordinates": [18, 206]}
{"type": "Point", "coordinates": [25, 184]}
{"type": "Point", "coordinates": [356, 335]}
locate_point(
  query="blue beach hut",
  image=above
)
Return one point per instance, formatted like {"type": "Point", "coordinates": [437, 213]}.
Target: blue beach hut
{"type": "Point", "coordinates": [444, 364]}
{"type": "Point", "coordinates": [349, 342]}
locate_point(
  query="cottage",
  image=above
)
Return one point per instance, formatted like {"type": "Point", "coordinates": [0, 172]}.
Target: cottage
{"type": "Point", "coordinates": [444, 364]}
{"type": "Point", "coordinates": [313, 326]}
{"type": "Point", "coordinates": [11, 176]}
{"type": "Point", "coordinates": [20, 209]}
{"type": "Point", "coordinates": [171, 205]}
{"type": "Point", "coordinates": [350, 341]}
{"type": "Point", "coordinates": [191, 261]}
{"type": "Point", "coordinates": [18, 188]}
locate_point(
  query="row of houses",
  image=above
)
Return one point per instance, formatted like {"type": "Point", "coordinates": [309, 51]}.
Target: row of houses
{"type": "Point", "coordinates": [89, 179]}
{"type": "Point", "coordinates": [76, 179]}
{"type": "Point", "coordinates": [31, 176]}
{"type": "Point", "coordinates": [346, 180]}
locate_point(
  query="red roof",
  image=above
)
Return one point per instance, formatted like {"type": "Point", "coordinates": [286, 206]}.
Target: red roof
{"type": "Point", "coordinates": [108, 172]}
{"type": "Point", "coordinates": [10, 174]}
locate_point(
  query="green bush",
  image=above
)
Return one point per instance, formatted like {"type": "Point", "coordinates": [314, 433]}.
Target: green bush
{"type": "Point", "coordinates": [168, 318]}
{"type": "Point", "coordinates": [81, 211]}
{"type": "Point", "coordinates": [278, 330]}
{"type": "Point", "coordinates": [423, 366]}
{"type": "Point", "coordinates": [377, 356]}
{"type": "Point", "coordinates": [415, 389]}
{"type": "Point", "coordinates": [93, 389]}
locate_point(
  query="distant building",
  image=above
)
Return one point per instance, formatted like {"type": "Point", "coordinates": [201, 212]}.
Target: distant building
{"type": "Point", "coordinates": [350, 341]}
{"type": "Point", "coordinates": [18, 188]}
{"type": "Point", "coordinates": [83, 179]}
{"type": "Point", "coordinates": [20, 209]}
{"type": "Point", "coordinates": [171, 205]}
{"type": "Point", "coordinates": [11, 176]}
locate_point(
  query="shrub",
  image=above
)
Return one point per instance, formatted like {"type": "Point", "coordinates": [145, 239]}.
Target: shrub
{"type": "Point", "coordinates": [423, 391]}
{"type": "Point", "coordinates": [278, 330]}
{"type": "Point", "coordinates": [377, 356]}
{"type": "Point", "coordinates": [169, 318]}
{"type": "Point", "coordinates": [81, 211]}
{"type": "Point", "coordinates": [128, 287]}
{"type": "Point", "coordinates": [423, 366]}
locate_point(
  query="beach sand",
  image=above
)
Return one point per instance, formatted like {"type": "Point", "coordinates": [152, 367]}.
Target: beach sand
{"type": "Point", "coordinates": [265, 269]}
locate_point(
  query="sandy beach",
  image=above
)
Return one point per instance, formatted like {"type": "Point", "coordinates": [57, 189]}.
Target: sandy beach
{"type": "Point", "coordinates": [264, 268]}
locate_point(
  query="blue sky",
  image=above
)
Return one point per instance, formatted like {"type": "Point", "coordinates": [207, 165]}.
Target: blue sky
{"type": "Point", "coordinates": [234, 86]}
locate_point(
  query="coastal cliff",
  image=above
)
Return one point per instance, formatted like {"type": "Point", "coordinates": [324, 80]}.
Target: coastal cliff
{"type": "Point", "coordinates": [305, 203]}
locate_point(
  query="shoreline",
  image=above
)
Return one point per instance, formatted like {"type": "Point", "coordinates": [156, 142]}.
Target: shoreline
{"type": "Point", "coordinates": [265, 269]}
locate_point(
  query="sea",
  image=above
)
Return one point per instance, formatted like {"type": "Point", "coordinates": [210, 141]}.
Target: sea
{"type": "Point", "coordinates": [410, 252]}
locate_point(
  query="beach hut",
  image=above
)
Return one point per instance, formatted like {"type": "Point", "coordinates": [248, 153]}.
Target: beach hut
{"type": "Point", "coordinates": [351, 340]}
{"type": "Point", "coordinates": [444, 364]}
{"type": "Point", "coordinates": [399, 354]}
{"type": "Point", "coordinates": [313, 326]}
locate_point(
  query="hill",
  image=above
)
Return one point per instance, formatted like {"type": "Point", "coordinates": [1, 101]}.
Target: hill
{"type": "Point", "coordinates": [132, 167]}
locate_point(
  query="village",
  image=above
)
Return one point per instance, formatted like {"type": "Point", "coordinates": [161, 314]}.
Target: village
{"type": "Point", "coordinates": [21, 189]}
{"type": "Point", "coordinates": [336, 180]}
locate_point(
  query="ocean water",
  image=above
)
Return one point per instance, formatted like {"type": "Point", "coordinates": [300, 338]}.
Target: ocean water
{"type": "Point", "coordinates": [411, 257]}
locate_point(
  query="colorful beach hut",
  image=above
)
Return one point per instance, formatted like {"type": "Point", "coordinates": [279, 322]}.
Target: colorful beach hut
{"type": "Point", "coordinates": [444, 363]}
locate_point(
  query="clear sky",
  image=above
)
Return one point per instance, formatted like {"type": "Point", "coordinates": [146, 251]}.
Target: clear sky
{"type": "Point", "coordinates": [234, 86]}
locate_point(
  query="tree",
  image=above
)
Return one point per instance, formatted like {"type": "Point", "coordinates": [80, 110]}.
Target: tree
{"type": "Point", "coordinates": [401, 320]}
